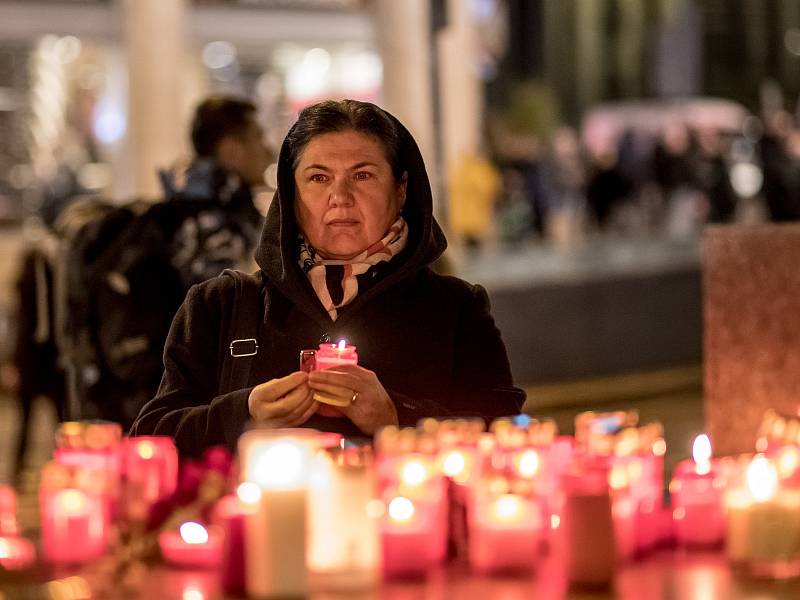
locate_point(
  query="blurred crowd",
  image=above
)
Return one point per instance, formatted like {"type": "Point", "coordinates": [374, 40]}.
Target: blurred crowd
{"type": "Point", "coordinates": [668, 181]}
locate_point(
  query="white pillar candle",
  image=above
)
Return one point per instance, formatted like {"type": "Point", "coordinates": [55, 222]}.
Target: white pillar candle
{"type": "Point", "coordinates": [278, 462]}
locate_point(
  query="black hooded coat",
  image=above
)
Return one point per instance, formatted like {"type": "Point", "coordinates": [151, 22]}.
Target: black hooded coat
{"type": "Point", "coordinates": [429, 338]}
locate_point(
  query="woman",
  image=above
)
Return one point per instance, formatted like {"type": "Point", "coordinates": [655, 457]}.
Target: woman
{"type": "Point", "coordinates": [344, 254]}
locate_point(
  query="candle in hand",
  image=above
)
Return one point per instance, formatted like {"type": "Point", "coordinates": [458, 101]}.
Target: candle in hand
{"type": "Point", "coordinates": [330, 356]}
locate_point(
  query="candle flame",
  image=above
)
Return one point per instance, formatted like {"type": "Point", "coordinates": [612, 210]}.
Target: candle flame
{"type": "Point", "coordinates": [508, 508]}
{"type": "Point", "coordinates": [701, 452]}
{"type": "Point", "coordinates": [762, 479]}
{"type": "Point", "coordinates": [618, 477]}
{"type": "Point", "coordinates": [401, 509]}
{"type": "Point", "coordinates": [146, 450]}
{"type": "Point", "coordinates": [279, 465]}
{"type": "Point", "coordinates": [528, 464]}
{"type": "Point", "coordinates": [193, 533]}
{"type": "Point", "coordinates": [454, 464]}
{"type": "Point", "coordinates": [659, 447]}
{"type": "Point", "coordinates": [193, 593]}
{"type": "Point", "coordinates": [248, 492]}
{"type": "Point", "coordinates": [71, 501]}
{"type": "Point", "coordinates": [788, 461]}
{"type": "Point", "coordinates": [342, 344]}
{"type": "Point", "coordinates": [701, 449]}
{"type": "Point", "coordinates": [414, 473]}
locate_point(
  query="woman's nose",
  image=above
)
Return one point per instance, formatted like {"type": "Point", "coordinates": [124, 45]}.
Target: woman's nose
{"type": "Point", "coordinates": [341, 195]}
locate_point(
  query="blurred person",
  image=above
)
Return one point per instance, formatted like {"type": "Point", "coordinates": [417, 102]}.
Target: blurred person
{"type": "Point", "coordinates": [710, 175]}
{"type": "Point", "coordinates": [564, 183]}
{"type": "Point", "coordinates": [37, 374]}
{"type": "Point", "coordinates": [608, 191]}
{"type": "Point", "coordinates": [473, 187]}
{"type": "Point", "coordinates": [671, 158]}
{"type": "Point", "coordinates": [779, 156]}
{"type": "Point", "coordinates": [522, 154]}
{"type": "Point", "coordinates": [130, 271]}
{"type": "Point", "coordinates": [345, 253]}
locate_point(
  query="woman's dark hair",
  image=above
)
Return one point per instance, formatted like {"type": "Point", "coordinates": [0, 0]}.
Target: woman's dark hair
{"type": "Point", "coordinates": [341, 115]}
{"type": "Point", "coordinates": [218, 117]}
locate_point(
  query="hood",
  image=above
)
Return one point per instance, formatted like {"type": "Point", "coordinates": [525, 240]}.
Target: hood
{"type": "Point", "coordinates": [276, 254]}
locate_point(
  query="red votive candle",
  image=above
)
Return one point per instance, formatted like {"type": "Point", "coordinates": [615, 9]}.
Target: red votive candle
{"type": "Point", "coordinates": [73, 525]}
{"type": "Point", "coordinates": [230, 514]}
{"type": "Point", "coordinates": [150, 465]}
{"type": "Point", "coordinates": [330, 356]}
{"type": "Point", "coordinates": [16, 553]}
{"type": "Point", "coordinates": [697, 490]}
{"type": "Point", "coordinates": [192, 546]}
{"type": "Point", "coordinates": [505, 533]}
{"type": "Point", "coordinates": [409, 548]}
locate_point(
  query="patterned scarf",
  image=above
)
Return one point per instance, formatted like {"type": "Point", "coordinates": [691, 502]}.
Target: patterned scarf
{"type": "Point", "coordinates": [334, 281]}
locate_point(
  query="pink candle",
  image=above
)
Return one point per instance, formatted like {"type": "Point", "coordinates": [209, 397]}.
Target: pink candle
{"type": "Point", "coordinates": [151, 472]}
{"type": "Point", "coordinates": [230, 514]}
{"type": "Point", "coordinates": [336, 355]}
{"type": "Point", "coordinates": [105, 468]}
{"type": "Point", "coordinates": [505, 533]}
{"type": "Point", "coordinates": [192, 546]}
{"type": "Point", "coordinates": [697, 499]}
{"type": "Point", "coordinates": [74, 527]}
{"type": "Point", "coordinates": [415, 476]}
{"type": "Point", "coordinates": [16, 553]}
{"type": "Point", "coordinates": [409, 549]}
{"type": "Point", "coordinates": [330, 356]}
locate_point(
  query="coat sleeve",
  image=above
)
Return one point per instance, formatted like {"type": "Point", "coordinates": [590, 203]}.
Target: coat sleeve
{"type": "Point", "coordinates": [186, 406]}
{"type": "Point", "coordinates": [482, 383]}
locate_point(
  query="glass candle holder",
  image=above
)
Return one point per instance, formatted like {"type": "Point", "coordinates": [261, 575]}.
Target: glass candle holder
{"type": "Point", "coordinates": [506, 531]}
{"type": "Point", "coordinates": [764, 524]}
{"type": "Point", "coordinates": [150, 470]}
{"type": "Point", "coordinates": [74, 524]}
{"type": "Point", "coordinates": [329, 356]}
{"type": "Point", "coordinates": [697, 489]}
{"type": "Point", "coordinates": [586, 537]}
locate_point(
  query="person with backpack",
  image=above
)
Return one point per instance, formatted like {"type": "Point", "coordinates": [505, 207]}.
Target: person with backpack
{"type": "Point", "coordinates": [345, 253]}
{"type": "Point", "coordinates": [130, 270]}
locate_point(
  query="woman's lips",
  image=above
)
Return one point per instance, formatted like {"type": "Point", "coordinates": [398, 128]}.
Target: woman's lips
{"type": "Point", "coordinates": [343, 223]}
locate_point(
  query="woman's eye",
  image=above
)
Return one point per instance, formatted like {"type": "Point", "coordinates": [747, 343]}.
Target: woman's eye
{"type": "Point", "coordinates": [319, 178]}
{"type": "Point", "coordinates": [362, 175]}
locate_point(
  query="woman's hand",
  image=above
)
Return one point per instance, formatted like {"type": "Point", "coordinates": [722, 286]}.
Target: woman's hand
{"type": "Point", "coordinates": [284, 402]}
{"type": "Point", "coordinates": [372, 408]}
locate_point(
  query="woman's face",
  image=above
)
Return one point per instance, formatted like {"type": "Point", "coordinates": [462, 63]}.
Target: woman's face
{"type": "Point", "coordinates": [347, 197]}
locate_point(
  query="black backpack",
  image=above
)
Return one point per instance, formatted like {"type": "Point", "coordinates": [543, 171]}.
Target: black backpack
{"type": "Point", "coordinates": [124, 287]}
